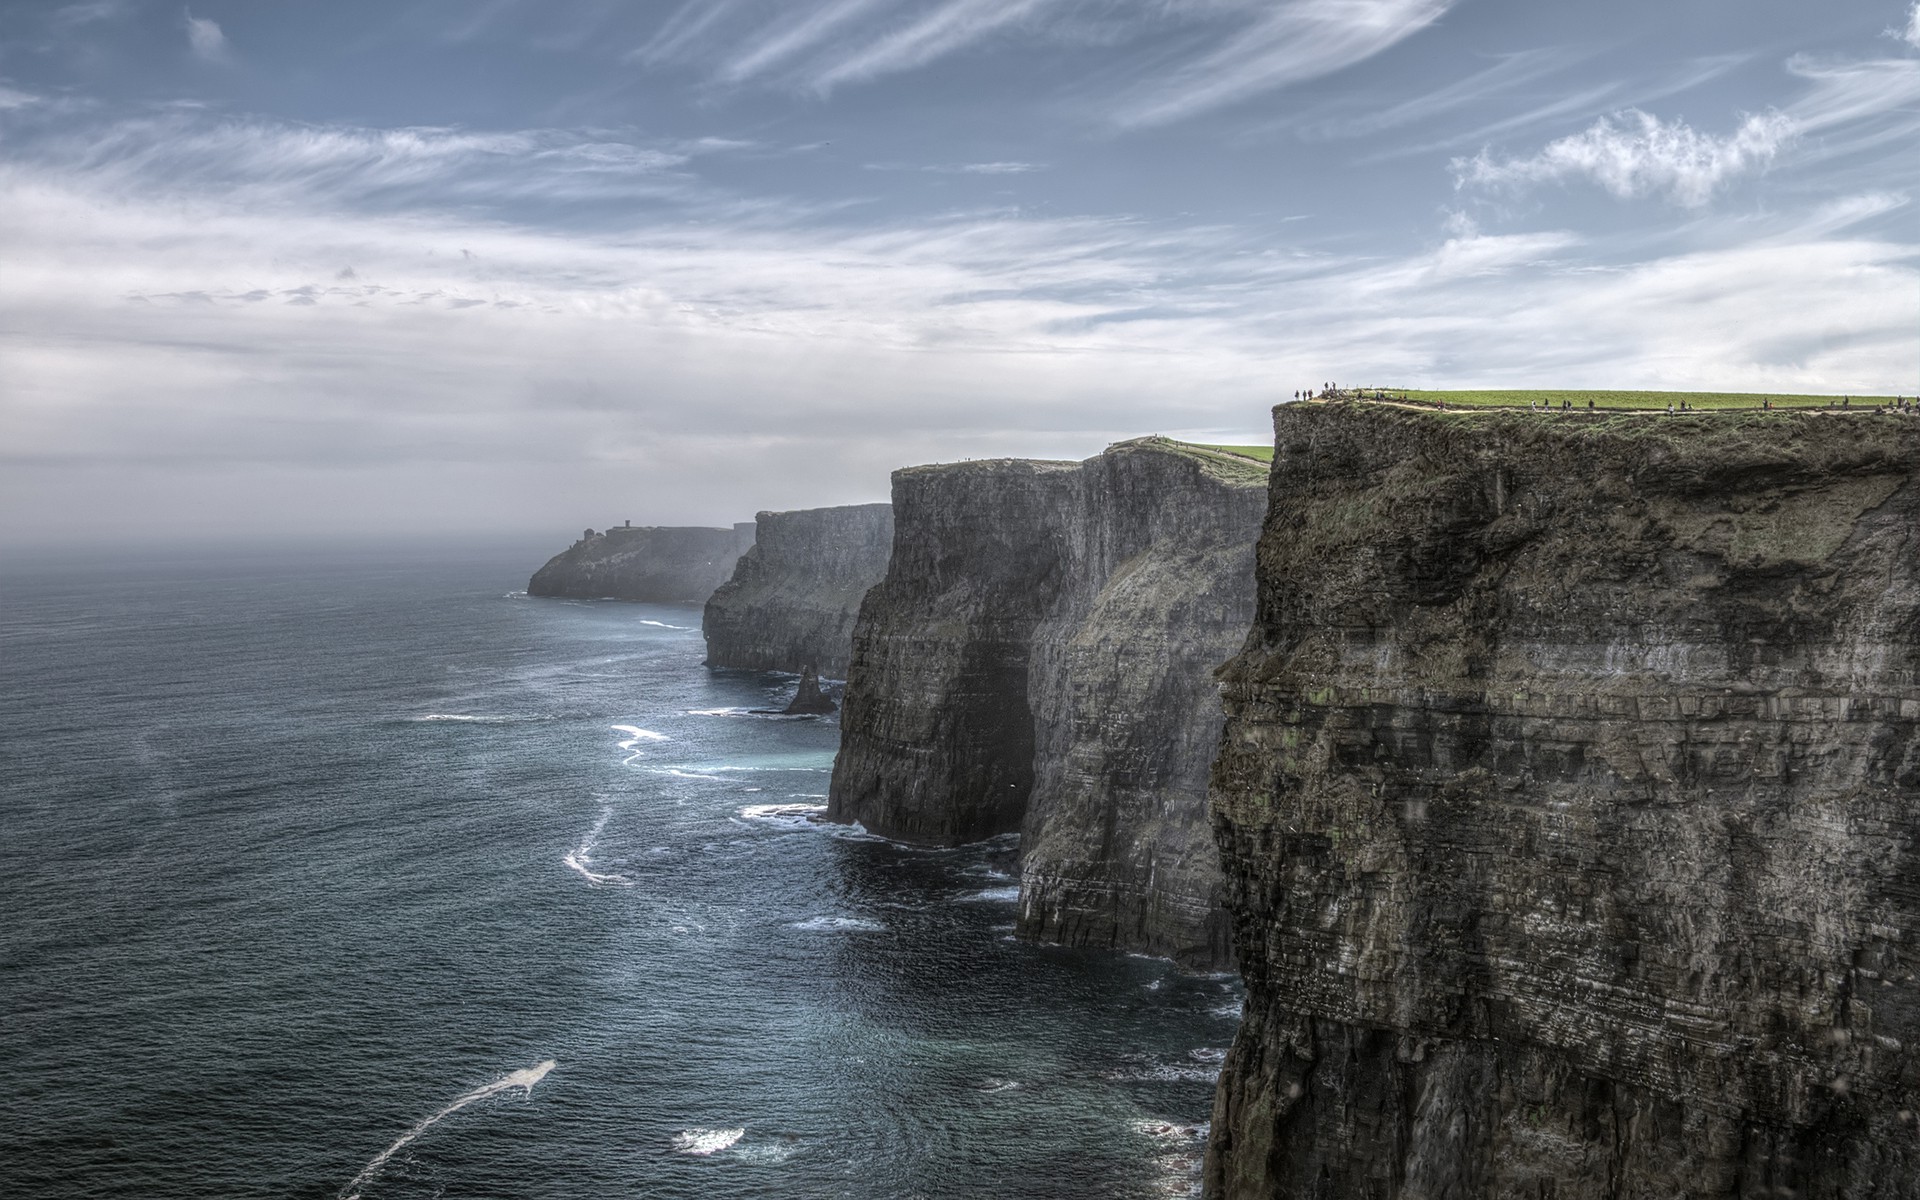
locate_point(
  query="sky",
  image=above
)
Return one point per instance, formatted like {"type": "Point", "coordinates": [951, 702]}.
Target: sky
{"type": "Point", "coordinates": [423, 267]}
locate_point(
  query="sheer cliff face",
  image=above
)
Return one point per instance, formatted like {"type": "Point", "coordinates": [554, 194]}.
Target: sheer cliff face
{"type": "Point", "coordinates": [1566, 803]}
{"type": "Point", "coordinates": [1039, 658]}
{"type": "Point", "coordinates": [793, 596]}
{"type": "Point", "coordinates": [653, 564]}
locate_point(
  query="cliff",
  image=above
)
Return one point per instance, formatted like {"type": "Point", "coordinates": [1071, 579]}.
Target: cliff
{"type": "Point", "coordinates": [1567, 804]}
{"type": "Point", "coordinates": [654, 564]}
{"type": "Point", "coordinates": [1039, 658]}
{"type": "Point", "coordinates": [793, 597]}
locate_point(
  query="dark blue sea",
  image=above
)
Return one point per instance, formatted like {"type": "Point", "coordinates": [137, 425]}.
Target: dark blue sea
{"type": "Point", "coordinates": [311, 863]}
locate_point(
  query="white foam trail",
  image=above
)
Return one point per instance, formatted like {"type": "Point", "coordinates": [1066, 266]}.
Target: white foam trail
{"type": "Point", "coordinates": [838, 925]}
{"type": "Point", "coordinates": [581, 858]}
{"type": "Point", "coordinates": [524, 1080]}
{"type": "Point", "coordinates": [636, 735]}
{"type": "Point", "coordinates": [664, 625]}
{"type": "Point", "coordinates": [703, 1142]}
{"type": "Point", "coordinates": [786, 816]}
{"type": "Point", "coordinates": [999, 895]}
{"type": "Point", "coordinates": [640, 734]}
{"type": "Point", "coordinates": [675, 771]}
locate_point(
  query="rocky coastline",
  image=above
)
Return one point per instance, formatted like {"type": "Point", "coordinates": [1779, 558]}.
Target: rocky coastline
{"type": "Point", "coordinates": [793, 596]}
{"type": "Point", "coordinates": [649, 564]}
{"type": "Point", "coordinates": [1039, 659]}
{"type": "Point", "coordinates": [1568, 803]}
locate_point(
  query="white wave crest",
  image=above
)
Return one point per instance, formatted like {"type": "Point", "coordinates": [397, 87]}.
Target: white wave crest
{"type": "Point", "coordinates": [524, 1080]}
{"type": "Point", "coordinates": [664, 625]}
{"type": "Point", "coordinates": [703, 1142]}
{"type": "Point", "coordinates": [838, 925]}
{"type": "Point", "coordinates": [637, 734]}
{"type": "Point", "coordinates": [580, 858]}
{"type": "Point", "coordinates": [785, 816]}
{"type": "Point", "coordinates": [999, 895]}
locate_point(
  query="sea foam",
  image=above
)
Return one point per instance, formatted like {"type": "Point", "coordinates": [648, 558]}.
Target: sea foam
{"type": "Point", "coordinates": [524, 1080]}
{"type": "Point", "coordinates": [703, 1142]}
{"type": "Point", "coordinates": [838, 925]}
{"type": "Point", "coordinates": [580, 858]}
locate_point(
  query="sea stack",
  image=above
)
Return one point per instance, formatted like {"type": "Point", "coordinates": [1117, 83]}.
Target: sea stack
{"type": "Point", "coordinates": [808, 698]}
{"type": "Point", "coordinates": [1039, 658]}
{"type": "Point", "coordinates": [1568, 802]}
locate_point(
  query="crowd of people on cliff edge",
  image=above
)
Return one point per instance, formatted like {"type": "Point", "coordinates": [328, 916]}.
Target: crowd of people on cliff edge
{"type": "Point", "coordinates": [1331, 391]}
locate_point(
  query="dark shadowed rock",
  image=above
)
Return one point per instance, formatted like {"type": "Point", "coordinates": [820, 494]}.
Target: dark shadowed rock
{"type": "Point", "coordinates": [808, 698]}
{"type": "Point", "coordinates": [793, 597]}
{"type": "Point", "coordinates": [1039, 658]}
{"type": "Point", "coordinates": [1568, 804]}
{"type": "Point", "coordinates": [653, 564]}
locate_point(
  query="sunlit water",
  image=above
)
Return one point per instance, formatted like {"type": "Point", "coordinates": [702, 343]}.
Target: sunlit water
{"type": "Point", "coordinates": [365, 875]}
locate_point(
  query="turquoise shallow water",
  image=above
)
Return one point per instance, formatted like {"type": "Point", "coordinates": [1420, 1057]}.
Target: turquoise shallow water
{"type": "Point", "coordinates": [302, 851]}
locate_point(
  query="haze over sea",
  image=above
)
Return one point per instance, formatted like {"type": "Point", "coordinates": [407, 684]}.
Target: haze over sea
{"type": "Point", "coordinates": [314, 862]}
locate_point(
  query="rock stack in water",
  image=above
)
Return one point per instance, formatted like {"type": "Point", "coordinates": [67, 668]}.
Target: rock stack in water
{"type": "Point", "coordinates": [1040, 658]}
{"type": "Point", "coordinates": [654, 564]}
{"type": "Point", "coordinates": [808, 698]}
{"type": "Point", "coordinates": [793, 597]}
{"type": "Point", "coordinates": [1568, 804]}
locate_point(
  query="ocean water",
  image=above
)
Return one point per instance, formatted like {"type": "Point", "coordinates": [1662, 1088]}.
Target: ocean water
{"type": "Point", "coordinates": [361, 873]}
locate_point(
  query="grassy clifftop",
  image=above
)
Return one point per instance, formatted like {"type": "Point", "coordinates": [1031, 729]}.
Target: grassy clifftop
{"type": "Point", "coordinates": [1520, 398]}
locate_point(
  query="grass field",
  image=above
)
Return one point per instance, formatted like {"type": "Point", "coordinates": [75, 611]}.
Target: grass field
{"type": "Point", "coordinates": [1704, 401]}
{"type": "Point", "coordinates": [1259, 453]}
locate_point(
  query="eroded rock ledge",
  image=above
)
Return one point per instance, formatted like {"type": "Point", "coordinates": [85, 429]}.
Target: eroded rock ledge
{"type": "Point", "coordinates": [1039, 658]}
{"type": "Point", "coordinates": [793, 597]}
{"type": "Point", "coordinates": [653, 564]}
{"type": "Point", "coordinates": [1567, 806]}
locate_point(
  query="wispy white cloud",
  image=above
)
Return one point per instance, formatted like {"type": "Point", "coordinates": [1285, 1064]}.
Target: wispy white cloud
{"type": "Point", "coordinates": [1641, 155]}
{"type": "Point", "coordinates": [947, 28]}
{"type": "Point", "coordinates": [762, 357]}
{"type": "Point", "coordinates": [796, 36]}
{"type": "Point", "coordinates": [1512, 71]}
{"type": "Point", "coordinates": [206, 38]}
{"type": "Point", "coordinates": [1850, 105]}
{"type": "Point", "coordinates": [1290, 41]}
{"type": "Point", "coordinates": [87, 12]}
{"type": "Point", "coordinates": [273, 162]}
{"type": "Point", "coordinates": [1911, 34]}
{"type": "Point", "coordinates": [1198, 54]}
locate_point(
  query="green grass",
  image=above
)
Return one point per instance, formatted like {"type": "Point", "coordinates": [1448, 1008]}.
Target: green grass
{"type": "Point", "coordinates": [1704, 401]}
{"type": "Point", "coordinates": [1257, 453]}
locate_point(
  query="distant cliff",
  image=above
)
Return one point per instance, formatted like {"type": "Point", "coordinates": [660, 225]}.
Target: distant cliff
{"type": "Point", "coordinates": [793, 596]}
{"type": "Point", "coordinates": [1568, 804]}
{"type": "Point", "coordinates": [1039, 658]}
{"type": "Point", "coordinates": [655, 564]}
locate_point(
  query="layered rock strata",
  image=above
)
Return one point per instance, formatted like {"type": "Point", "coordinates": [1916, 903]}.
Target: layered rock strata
{"type": "Point", "coordinates": [1567, 804]}
{"type": "Point", "coordinates": [1039, 658]}
{"type": "Point", "coordinates": [653, 564]}
{"type": "Point", "coordinates": [793, 597]}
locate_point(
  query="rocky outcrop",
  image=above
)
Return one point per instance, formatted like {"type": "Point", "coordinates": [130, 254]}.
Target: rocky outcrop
{"type": "Point", "coordinates": [808, 699]}
{"type": "Point", "coordinates": [1567, 804]}
{"type": "Point", "coordinates": [1039, 658]}
{"type": "Point", "coordinates": [793, 597]}
{"type": "Point", "coordinates": [653, 564]}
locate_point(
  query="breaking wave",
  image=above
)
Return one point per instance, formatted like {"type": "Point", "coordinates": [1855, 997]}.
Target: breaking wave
{"type": "Point", "coordinates": [580, 858]}
{"type": "Point", "coordinates": [524, 1080]}
{"type": "Point", "coordinates": [703, 1142]}
{"type": "Point", "coordinates": [838, 925]}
